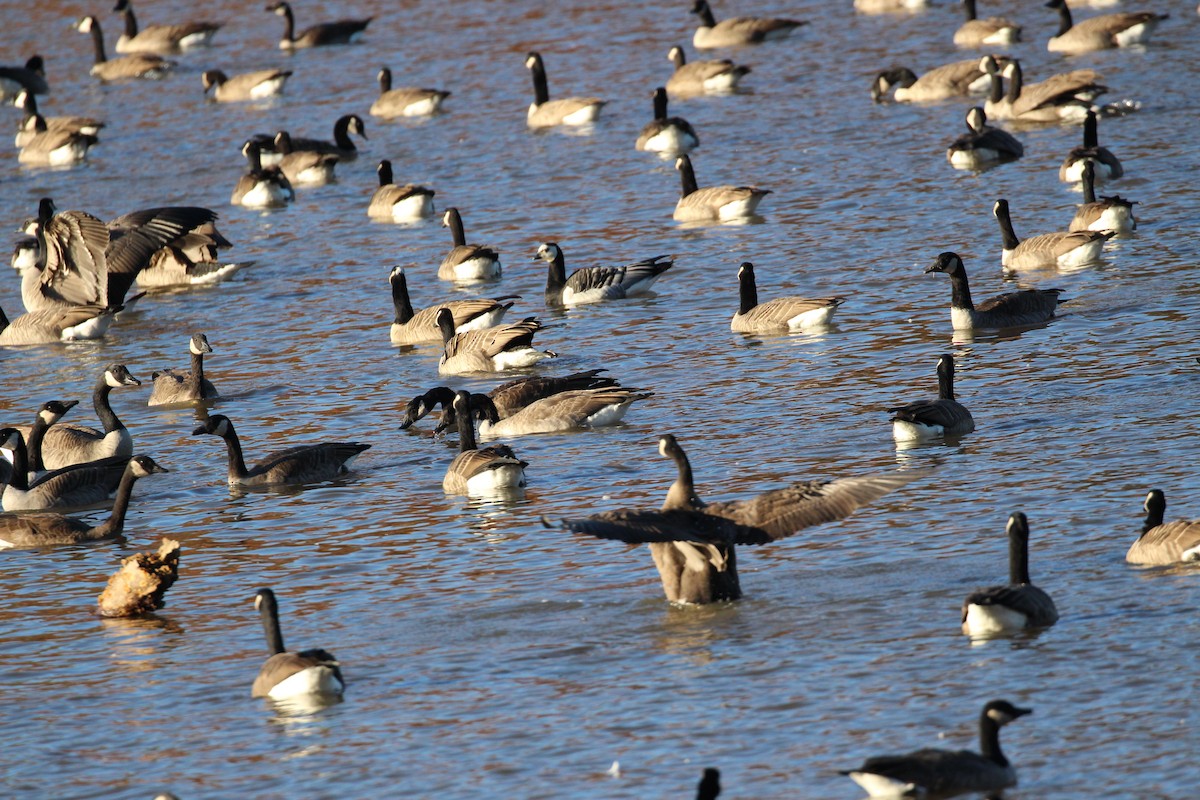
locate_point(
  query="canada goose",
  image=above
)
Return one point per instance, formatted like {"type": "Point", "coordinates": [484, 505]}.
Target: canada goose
{"type": "Point", "coordinates": [261, 187]}
{"type": "Point", "coordinates": [778, 314]}
{"type": "Point", "coordinates": [998, 104]}
{"type": "Point", "coordinates": [956, 79]}
{"type": "Point", "coordinates": [546, 113]}
{"type": "Point", "coordinates": [1058, 249]}
{"type": "Point", "coordinates": [1164, 543]}
{"type": "Point", "coordinates": [1106, 214]}
{"type": "Point", "coordinates": [161, 38]}
{"type": "Point", "coordinates": [76, 485]}
{"type": "Point", "coordinates": [413, 327]}
{"type": "Point", "coordinates": [982, 146]}
{"type": "Point", "coordinates": [343, 31]}
{"type": "Point", "coordinates": [58, 324]}
{"type": "Point", "coordinates": [342, 145]}
{"type": "Point", "coordinates": [172, 386]}
{"type": "Point", "coordinates": [406, 203]}
{"type": "Point", "coordinates": [488, 350]}
{"type": "Point", "coordinates": [693, 543]}
{"type": "Point", "coordinates": [257, 85]}
{"type": "Point", "coordinates": [595, 284]}
{"type": "Point", "coordinates": [709, 787]}
{"type": "Point", "coordinates": [304, 167]}
{"type": "Point", "coordinates": [666, 135]}
{"type": "Point", "coordinates": [1026, 307]}
{"type": "Point", "coordinates": [713, 203]}
{"type": "Point", "coordinates": [1017, 606]}
{"type": "Point", "coordinates": [141, 65]}
{"type": "Point", "coordinates": [564, 411]}
{"type": "Point", "coordinates": [714, 76]}
{"type": "Point", "coordinates": [31, 78]}
{"type": "Point", "coordinates": [54, 148]}
{"type": "Point", "coordinates": [737, 31]}
{"type": "Point", "coordinates": [888, 6]}
{"type": "Point", "coordinates": [466, 262]}
{"type": "Point", "coordinates": [978, 32]}
{"type": "Point", "coordinates": [288, 675]}
{"type": "Point", "coordinates": [50, 413]}
{"type": "Point", "coordinates": [927, 419]}
{"type": "Point", "coordinates": [1102, 32]}
{"type": "Point", "coordinates": [37, 530]}
{"type": "Point", "coordinates": [191, 260]}
{"type": "Point", "coordinates": [29, 127]}
{"type": "Point", "coordinates": [405, 101]}
{"type": "Point", "coordinates": [1065, 97]}
{"type": "Point", "coordinates": [300, 464]}
{"type": "Point", "coordinates": [942, 773]}
{"type": "Point", "coordinates": [1106, 166]}
{"type": "Point", "coordinates": [477, 471]}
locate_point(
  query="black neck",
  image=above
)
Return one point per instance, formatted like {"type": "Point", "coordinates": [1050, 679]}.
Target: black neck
{"type": "Point", "coordinates": [1064, 19]}
{"type": "Point", "coordinates": [289, 34]}
{"type": "Point", "coordinates": [989, 740]}
{"type": "Point", "coordinates": [454, 222]}
{"type": "Point", "coordinates": [341, 135]}
{"type": "Point", "coordinates": [969, 5]}
{"type": "Point", "coordinates": [270, 620]}
{"type": "Point", "coordinates": [996, 87]}
{"type": "Point", "coordinates": [682, 493]}
{"type": "Point", "coordinates": [1016, 82]}
{"type": "Point", "coordinates": [687, 177]}
{"type": "Point", "coordinates": [237, 464]}
{"type": "Point", "coordinates": [30, 106]}
{"type": "Point", "coordinates": [706, 15]}
{"type": "Point", "coordinates": [945, 379]}
{"type": "Point", "coordinates": [678, 58]}
{"type": "Point", "coordinates": [20, 465]}
{"type": "Point", "coordinates": [466, 423]}
{"type": "Point", "coordinates": [385, 80]}
{"type": "Point", "coordinates": [660, 104]}
{"type": "Point", "coordinates": [385, 173]}
{"type": "Point", "coordinates": [196, 378]}
{"type": "Point", "coordinates": [36, 434]}
{"type": "Point", "coordinates": [131, 29]}
{"type": "Point", "coordinates": [1008, 236]}
{"type": "Point", "coordinates": [98, 43]}
{"type": "Point", "coordinates": [1089, 182]}
{"type": "Point", "coordinates": [960, 290]}
{"type": "Point", "coordinates": [1018, 557]}
{"type": "Point", "coordinates": [445, 323]}
{"type": "Point", "coordinates": [556, 274]}
{"type": "Point", "coordinates": [254, 156]}
{"type": "Point", "coordinates": [541, 93]}
{"type": "Point", "coordinates": [116, 521]}
{"type": "Point", "coordinates": [400, 300]}
{"type": "Point", "coordinates": [103, 409]}
{"type": "Point", "coordinates": [1154, 516]}
{"type": "Point", "coordinates": [747, 290]}
{"type": "Point", "coordinates": [1091, 133]}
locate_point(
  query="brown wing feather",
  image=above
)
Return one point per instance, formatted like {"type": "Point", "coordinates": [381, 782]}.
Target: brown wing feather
{"type": "Point", "coordinates": [1165, 544]}
{"type": "Point", "coordinates": [76, 270]}
{"type": "Point", "coordinates": [1036, 95]}
{"type": "Point", "coordinates": [640, 526]}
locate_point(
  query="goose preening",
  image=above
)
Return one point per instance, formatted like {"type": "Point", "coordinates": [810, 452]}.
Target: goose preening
{"type": "Point", "coordinates": [1025, 307]}
{"type": "Point", "coordinates": [414, 327]}
{"type": "Point", "coordinates": [693, 543]}
{"type": "Point", "coordinates": [546, 113]}
{"type": "Point", "coordinates": [29, 127]}
{"type": "Point", "coordinates": [61, 147]}
{"type": "Point", "coordinates": [191, 260]}
{"type": "Point", "coordinates": [1105, 165]}
{"type": "Point", "coordinates": [975, 32]}
{"type": "Point", "coordinates": [957, 79]}
{"type": "Point", "coordinates": [1065, 97]}
{"type": "Point", "coordinates": [466, 262]}
{"type": "Point", "coordinates": [572, 409]}
{"type": "Point", "coordinates": [405, 101]}
{"type": "Point", "coordinates": [76, 485]}
{"type": "Point", "coordinates": [259, 186]}
{"type": "Point", "coordinates": [942, 773]}
{"type": "Point", "coordinates": [161, 38]}
{"type": "Point", "coordinates": [138, 587]}
{"type": "Point", "coordinates": [37, 530]}
{"type": "Point", "coordinates": [304, 167]}
{"type": "Point", "coordinates": [1063, 249]}
{"type": "Point", "coordinates": [596, 284]}
{"type": "Point", "coordinates": [737, 31]}
{"type": "Point", "coordinates": [257, 85]}
{"type": "Point", "coordinates": [29, 78]}
{"type": "Point", "coordinates": [982, 146]}
{"type": "Point", "coordinates": [1017, 606]}
{"type": "Point", "coordinates": [665, 135]}
{"type": "Point", "coordinates": [342, 31]}
{"type": "Point", "coordinates": [779, 314]}
{"type": "Point", "coordinates": [58, 324]}
{"type": "Point", "coordinates": [713, 203]}
{"type": "Point", "coordinates": [476, 471]}
{"type": "Point", "coordinates": [287, 675]}
{"type": "Point", "coordinates": [1163, 543]}
{"type": "Point", "coordinates": [1104, 214]}
{"type": "Point", "coordinates": [921, 420]}
{"type": "Point", "coordinates": [709, 787]}
{"type": "Point", "coordinates": [407, 203]}
{"type": "Point", "coordinates": [342, 145]}
{"type": "Point", "coordinates": [1102, 32]}
{"type": "Point", "coordinates": [488, 350]}
{"type": "Point", "coordinates": [138, 65]}
{"type": "Point", "coordinates": [712, 76]}
{"type": "Point", "coordinates": [301, 464]}
{"type": "Point", "coordinates": [175, 386]}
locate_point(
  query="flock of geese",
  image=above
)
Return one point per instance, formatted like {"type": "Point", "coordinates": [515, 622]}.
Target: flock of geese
{"type": "Point", "coordinates": [77, 273]}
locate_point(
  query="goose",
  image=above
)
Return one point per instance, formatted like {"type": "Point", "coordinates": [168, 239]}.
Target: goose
{"type": "Point", "coordinates": [666, 135]}
{"type": "Point", "coordinates": [713, 203]}
{"type": "Point", "coordinates": [414, 327]}
{"type": "Point", "coordinates": [596, 284]}
{"type": "Point", "coordinates": [59, 324]}
{"type": "Point", "coordinates": [889, 6]}
{"type": "Point", "coordinates": [942, 773]}
{"type": "Point", "coordinates": [173, 386]}
{"type": "Point", "coordinates": [488, 350]}
{"type": "Point", "coordinates": [287, 675]}
{"type": "Point", "coordinates": [1102, 32]}
{"type": "Point", "coordinates": [1106, 214]}
{"type": "Point", "coordinates": [1017, 606]}
{"type": "Point", "coordinates": [342, 145]}
{"type": "Point", "coordinates": [343, 31]}
{"type": "Point", "coordinates": [302, 464]}
{"type": "Point", "coordinates": [304, 167]}
{"type": "Point", "coordinates": [406, 203]}
{"type": "Point", "coordinates": [713, 76]}
{"type": "Point", "coordinates": [781, 313]}
{"type": "Point", "coordinates": [31, 77]}
{"type": "Point", "coordinates": [76, 485]}
{"type": "Point", "coordinates": [709, 787]}
{"type": "Point", "coordinates": [140, 65]}
{"type": "Point", "coordinates": [191, 260]}
{"type": "Point", "coordinates": [29, 128]}
{"type": "Point", "coordinates": [1105, 165]}
{"type": "Point", "coordinates": [405, 101]}
{"type": "Point", "coordinates": [737, 31]}
{"type": "Point", "coordinates": [161, 38]}
{"type": "Point", "coordinates": [477, 471]}
{"type": "Point", "coordinates": [49, 414]}
{"type": "Point", "coordinates": [40, 530]}
{"type": "Point", "coordinates": [957, 79]}
{"type": "Point", "coordinates": [54, 148]}
{"type": "Point", "coordinates": [257, 85]}
{"type": "Point", "coordinates": [693, 542]}
{"type": "Point", "coordinates": [982, 146]}
{"type": "Point", "coordinates": [466, 262]}
{"type": "Point", "coordinates": [1065, 97]}
{"type": "Point", "coordinates": [1058, 249]}
{"type": "Point", "coordinates": [978, 32]}
{"type": "Point", "coordinates": [1162, 543]}
{"type": "Point", "coordinates": [927, 419]}
{"type": "Point", "coordinates": [1026, 307]}
{"type": "Point", "coordinates": [564, 411]}
{"type": "Point", "coordinates": [998, 104]}
{"type": "Point", "coordinates": [546, 113]}
{"type": "Point", "coordinates": [261, 187]}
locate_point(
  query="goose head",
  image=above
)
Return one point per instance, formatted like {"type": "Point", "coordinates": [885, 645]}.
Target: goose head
{"type": "Point", "coordinates": [216, 425]}
{"type": "Point", "coordinates": [198, 345]}
{"type": "Point", "coordinates": [54, 410]}
{"type": "Point", "coordinates": [117, 375]}
{"type": "Point", "coordinates": [141, 466]}
{"type": "Point", "coordinates": [1003, 712]}
{"type": "Point", "coordinates": [947, 262]}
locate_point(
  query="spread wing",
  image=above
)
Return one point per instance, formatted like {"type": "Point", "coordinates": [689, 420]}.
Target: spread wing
{"type": "Point", "coordinates": [75, 272]}
{"type": "Point", "coordinates": [136, 236]}
{"type": "Point", "coordinates": [638, 526]}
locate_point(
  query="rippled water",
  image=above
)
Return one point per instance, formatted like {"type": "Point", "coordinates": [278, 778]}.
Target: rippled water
{"type": "Point", "coordinates": [486, 655]}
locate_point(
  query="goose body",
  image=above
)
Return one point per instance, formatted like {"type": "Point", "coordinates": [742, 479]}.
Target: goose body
{"type": "Point", "coordinates": [342, 31]}
{"type": "Point", "coordinates": [1100, 33]}
{"type": "Point", "coordinates": [289, 675]}
{"type": "Point", "coordinates": [258, 85]}
{"type": "Point", "coordinates": [1103, 214]}
{"type": "Point", "coordinates": [259, 186]}
{"type": "Point", "coordinates": [30, 126]}
{"type": "Point", "coordinates": [928, 419]}
{"type": "Point", "coordinates": [173, 386]}
{"type": "Point", "coordinates": [414, 327]}
{"type": "Point", "coordinates": [737, 31]}
{"type": "Point", "coordinates": [490, 350]}
{"type": "Point", "coordinates": [466, 262]}
{"type": "Point", "coordinates": [161, 38]}
{"type": "Point", "coordinates": [957, 79]}
{"type": "Point", "coordinates": [1013, 309]}
{"type": "Point", "coordinates": [342, 145]}
{"type": "Point", "coordinates": [60, 147]}
{"type": "Point", "coordinates": [405, 101]}
{"type": "Point", "coordinates": [713, 203]}
{"type": "Point", "coordinates": [406, 203]}
{"type": "Point", "coordinates": [666, 135]}
{"type": "Point", "coordinates": [1016, 606]}
{"type": "Point", "coordinates": [1065, 97]}
{"type": "Point", "coordinates": [476, 471]}
{"type": "Point", "coordinates": [596, 284]}
{"type": "Point", "coordinates": [302, 464]}
{"type": "Point", "coordinates": [192, 260]}
{"type": "Point", "coordinates": [713, 76]}
{"type": "Point", "coordinates": [564, 411]}
{"type": "Point", "coordinates": [1105, 165]}
{"type": "Point", "coordinates": [982, 146]}
{"type": "Point", "coordinates": [507, 398]}
{"type": "Point", "coordinates": [60, 324]}
{"type": "Point", "coordinates": [781, 313]}
{"type": "Point", "coordinates": [304, 167]}
{"type": "Point", "coordinates": [139, 65]}
{"type": "Point", "coordinates": [1063, 249]}
{"type": "Point", "coordinates": [76, 485]}
{"type": "Point", "coordinates": [975, 32]}
{"type": "Point", "coordinates": [546, 113]}
{"type": "Point", "coordinates": [1163, 543]}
